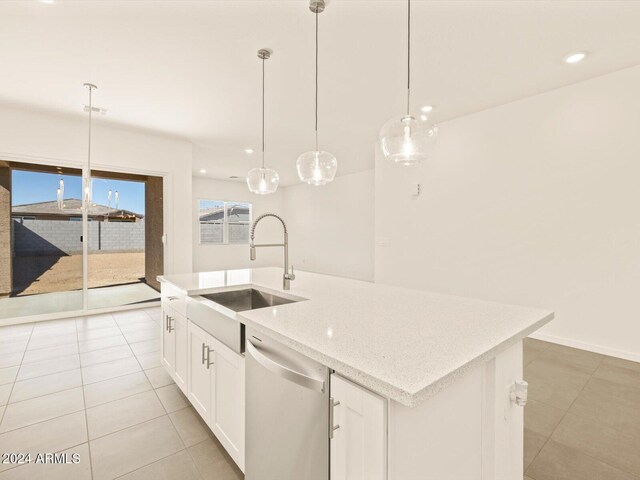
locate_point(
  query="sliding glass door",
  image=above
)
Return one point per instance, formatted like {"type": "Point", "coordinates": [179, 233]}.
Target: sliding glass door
{"type": "Point", "coordinates": [41, 264]}
{"type": "Point", "coordinates": [57, 257]}
{"type": "Point", "coordinates": [117, 271]}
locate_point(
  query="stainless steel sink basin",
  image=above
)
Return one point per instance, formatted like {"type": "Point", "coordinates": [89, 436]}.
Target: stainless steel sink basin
{"type": "Point", "coordinates": [248, 299]}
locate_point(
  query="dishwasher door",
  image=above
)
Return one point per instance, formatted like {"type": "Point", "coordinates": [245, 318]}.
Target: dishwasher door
{"type": "Point", "coordinates": [287, 413]}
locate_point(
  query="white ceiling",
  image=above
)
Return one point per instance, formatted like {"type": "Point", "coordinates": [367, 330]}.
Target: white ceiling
{"type": "Point", "coordinates": [190, 69]}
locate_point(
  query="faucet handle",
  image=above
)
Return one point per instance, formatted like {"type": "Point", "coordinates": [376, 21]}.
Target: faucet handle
{"type": "Point", "coordinates": [292, 275]}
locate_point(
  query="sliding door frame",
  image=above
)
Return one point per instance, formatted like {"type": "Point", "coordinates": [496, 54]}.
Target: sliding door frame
{"type": "Point", "coordinates": [167, 178]}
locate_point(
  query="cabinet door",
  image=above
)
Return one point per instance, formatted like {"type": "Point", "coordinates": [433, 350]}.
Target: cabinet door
{"type": "Point", "coordinates": [168, 340]}
{"type": "Point", "coordinates": [181, 351]}
{"type": "Point", "coordinates": [358, 446]}
{"type": "Point", "coordinates": [198, 370]}
{"type": "Point", "coordinates": [227, 401]}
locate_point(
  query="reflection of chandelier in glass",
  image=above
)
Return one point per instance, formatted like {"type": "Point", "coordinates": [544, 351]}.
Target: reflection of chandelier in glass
{"type": "Point", "coordinates": [86, 197]}
{"type": "Point", "coordinates": [115, 196]}
{"type": "Point", "coordinates": [60, 194]}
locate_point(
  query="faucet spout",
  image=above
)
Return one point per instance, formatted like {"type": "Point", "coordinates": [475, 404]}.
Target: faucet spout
{"type": "Point", "coordinates": [287, 276]}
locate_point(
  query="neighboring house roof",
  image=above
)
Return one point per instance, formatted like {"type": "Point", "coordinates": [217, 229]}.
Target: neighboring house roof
{"type": "Point", "coordinates": [72, 206]}
{"type": "Point", "coordinates": [235, 213]}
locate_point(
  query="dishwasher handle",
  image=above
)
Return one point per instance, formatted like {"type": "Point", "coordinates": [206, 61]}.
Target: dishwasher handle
{"type": "Point", "coordinates": [284, 372]}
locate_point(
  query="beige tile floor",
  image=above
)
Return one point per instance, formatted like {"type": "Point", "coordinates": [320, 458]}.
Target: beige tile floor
{"type": "Point", "coordinates": [94, 386]}
{"type": "Point", "coordinates": [582, 420]}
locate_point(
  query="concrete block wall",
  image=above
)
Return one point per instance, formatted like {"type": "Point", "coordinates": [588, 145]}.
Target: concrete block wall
{"type": "Point", "coordinates": [58, 237]}
{"type": "Point", "coordinates": [213, 233]}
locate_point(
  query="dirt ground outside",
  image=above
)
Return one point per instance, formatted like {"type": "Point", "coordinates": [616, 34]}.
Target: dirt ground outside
{"type": "Point", "coordinates": [44, 274]}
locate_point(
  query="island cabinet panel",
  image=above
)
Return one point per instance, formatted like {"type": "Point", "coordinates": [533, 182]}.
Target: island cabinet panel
{"type": "Point", "coordinates": [358, 445]}
{"type": "Point", "coordinates": [199, 370]}
{"type": "Point", "coordinates": [469, 430]}
{"type": "Point", "coordinates": [181, 351]}
{"type": "Point", "coordinates": [440, 438]}
{"type": "Point", "coordinates": [227, 397]}
{"type": "Point", "coordinates": [174, 346]}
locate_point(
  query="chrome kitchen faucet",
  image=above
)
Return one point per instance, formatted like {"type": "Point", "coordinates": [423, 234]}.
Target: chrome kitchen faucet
{"type": "Point", "coordinates": [286, 277]}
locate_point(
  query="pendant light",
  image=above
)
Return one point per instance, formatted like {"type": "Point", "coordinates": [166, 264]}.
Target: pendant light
{"type": "Point", "coordinates": [87, 194]}
{"type": "Point", "coordinates": [407, 140]}
{"type": "Point", "coordinates": [263, 180]}
{"type": "Point", "coordinates": [316, 167]}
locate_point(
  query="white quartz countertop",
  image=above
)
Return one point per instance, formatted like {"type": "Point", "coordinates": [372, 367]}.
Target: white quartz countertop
{"type": "Point", "coordinates": [404, 344]}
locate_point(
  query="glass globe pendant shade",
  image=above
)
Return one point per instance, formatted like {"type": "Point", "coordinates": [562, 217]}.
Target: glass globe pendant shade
{"type": "Point", "coordinates": [407, 140]}
{"type": "Point", "coordinates": [263, 181]}
{"type": "Point", "coordinates": [317, 167]}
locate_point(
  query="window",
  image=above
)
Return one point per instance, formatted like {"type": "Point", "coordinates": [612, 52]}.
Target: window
{"type": "Point", "coordinates": [224, 222]}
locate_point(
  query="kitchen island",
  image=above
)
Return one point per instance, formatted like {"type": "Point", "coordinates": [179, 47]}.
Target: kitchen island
{"type": "Point", "coordinates": [430, 378]}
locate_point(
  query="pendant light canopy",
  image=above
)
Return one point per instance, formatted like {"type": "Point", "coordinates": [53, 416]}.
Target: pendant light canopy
{"type": "Point", "coordinates": [263, 180]}
{"type": "Point", "coordinates": [317, 167]}
{"type": "Point", "coordinates": [407, 140]}
{"type": "Point", "coordinates": [88, 181]}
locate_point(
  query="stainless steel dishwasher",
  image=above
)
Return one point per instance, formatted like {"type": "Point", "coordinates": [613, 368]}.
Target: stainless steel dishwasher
{"type": "Point", "coordinates": [287, 413]}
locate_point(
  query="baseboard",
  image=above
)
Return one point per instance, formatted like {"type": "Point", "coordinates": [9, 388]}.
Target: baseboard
{"type": "Point", "coordinates": [612, 352]}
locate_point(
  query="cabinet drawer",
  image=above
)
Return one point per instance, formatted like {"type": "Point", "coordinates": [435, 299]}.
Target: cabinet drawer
{"type": "Point", "coordinates": [174, 298]}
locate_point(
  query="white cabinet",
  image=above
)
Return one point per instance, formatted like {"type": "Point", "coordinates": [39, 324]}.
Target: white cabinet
{"type": "Point", "coordinates": [199, 370]}
{"type": "Point", "coordinates": [174, 345]}
{"type": "Point", "coordinates": [358, 446]}
{"type": "Point", "coordinates": [181, 351]}
{"type": "Point", "coordinates": [215, 386]}
{"type": "Point", "coordinates": [227, 398]}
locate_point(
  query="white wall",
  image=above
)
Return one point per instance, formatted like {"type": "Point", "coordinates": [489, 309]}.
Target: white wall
{"type": "Point", "coordinates": [331, 227]}
{"type": "Point", "coordinates": [535, 202]}
{"type": "Point", "coordinates": [269, 230]}
{"type": "Point", "coordinates": [56, 140]}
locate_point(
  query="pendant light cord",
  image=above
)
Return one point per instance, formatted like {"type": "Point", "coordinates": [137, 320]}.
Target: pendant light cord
{"type": "Point", "coordinates": [89, 152]}
{"type": "Point", "coordinates": [316, 79]}
{"type": "Point", "coordinates": [408, 53]}
{"type": "Point", "coordinates": [263, 112]}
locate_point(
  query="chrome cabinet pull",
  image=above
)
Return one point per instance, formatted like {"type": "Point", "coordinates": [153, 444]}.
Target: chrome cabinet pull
{"type": "Point", "coordinates": [170, 328]}
{"type": "Point", "coordinates": [172, 298]}
{"type": "Point", "coordinates": [203, 357]}
{"type": "Point", "coordinates": [332, 427]}
{"type": "Point", "coordinates": [209, 362]}
{"type": "Point", "coordinates": [166, 322]}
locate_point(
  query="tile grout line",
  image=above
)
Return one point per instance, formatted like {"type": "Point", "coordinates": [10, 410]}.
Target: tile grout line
{"type": "Point", "coordinates": [13, 384]}
{"type": "Point", "coordinates": [152, 463]}
{"type": "Point", "coordinates": [562, 418]}
{"type": "Point", "coordinates": [161, 404]}
{"type": "Point", "coordinates": [84, 403]}
{"type": "Point", "coordinates": [624, 470]}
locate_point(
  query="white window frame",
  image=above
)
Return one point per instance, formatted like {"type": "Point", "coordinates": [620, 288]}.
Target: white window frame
{"type": "Point", "coordinates": [225, 221]}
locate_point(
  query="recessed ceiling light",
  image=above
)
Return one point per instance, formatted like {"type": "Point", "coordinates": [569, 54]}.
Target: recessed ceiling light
{"type": "Point", "coordinates": [202, 170]}
{"type": "Point", "coordinates": [575, 57]}
{"type": "Point", "coordinates": [426, 108]}
{"type": "Point", "coordinates": [47, 1]}
{"type": "Point", "coordinates": [248, 150]}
